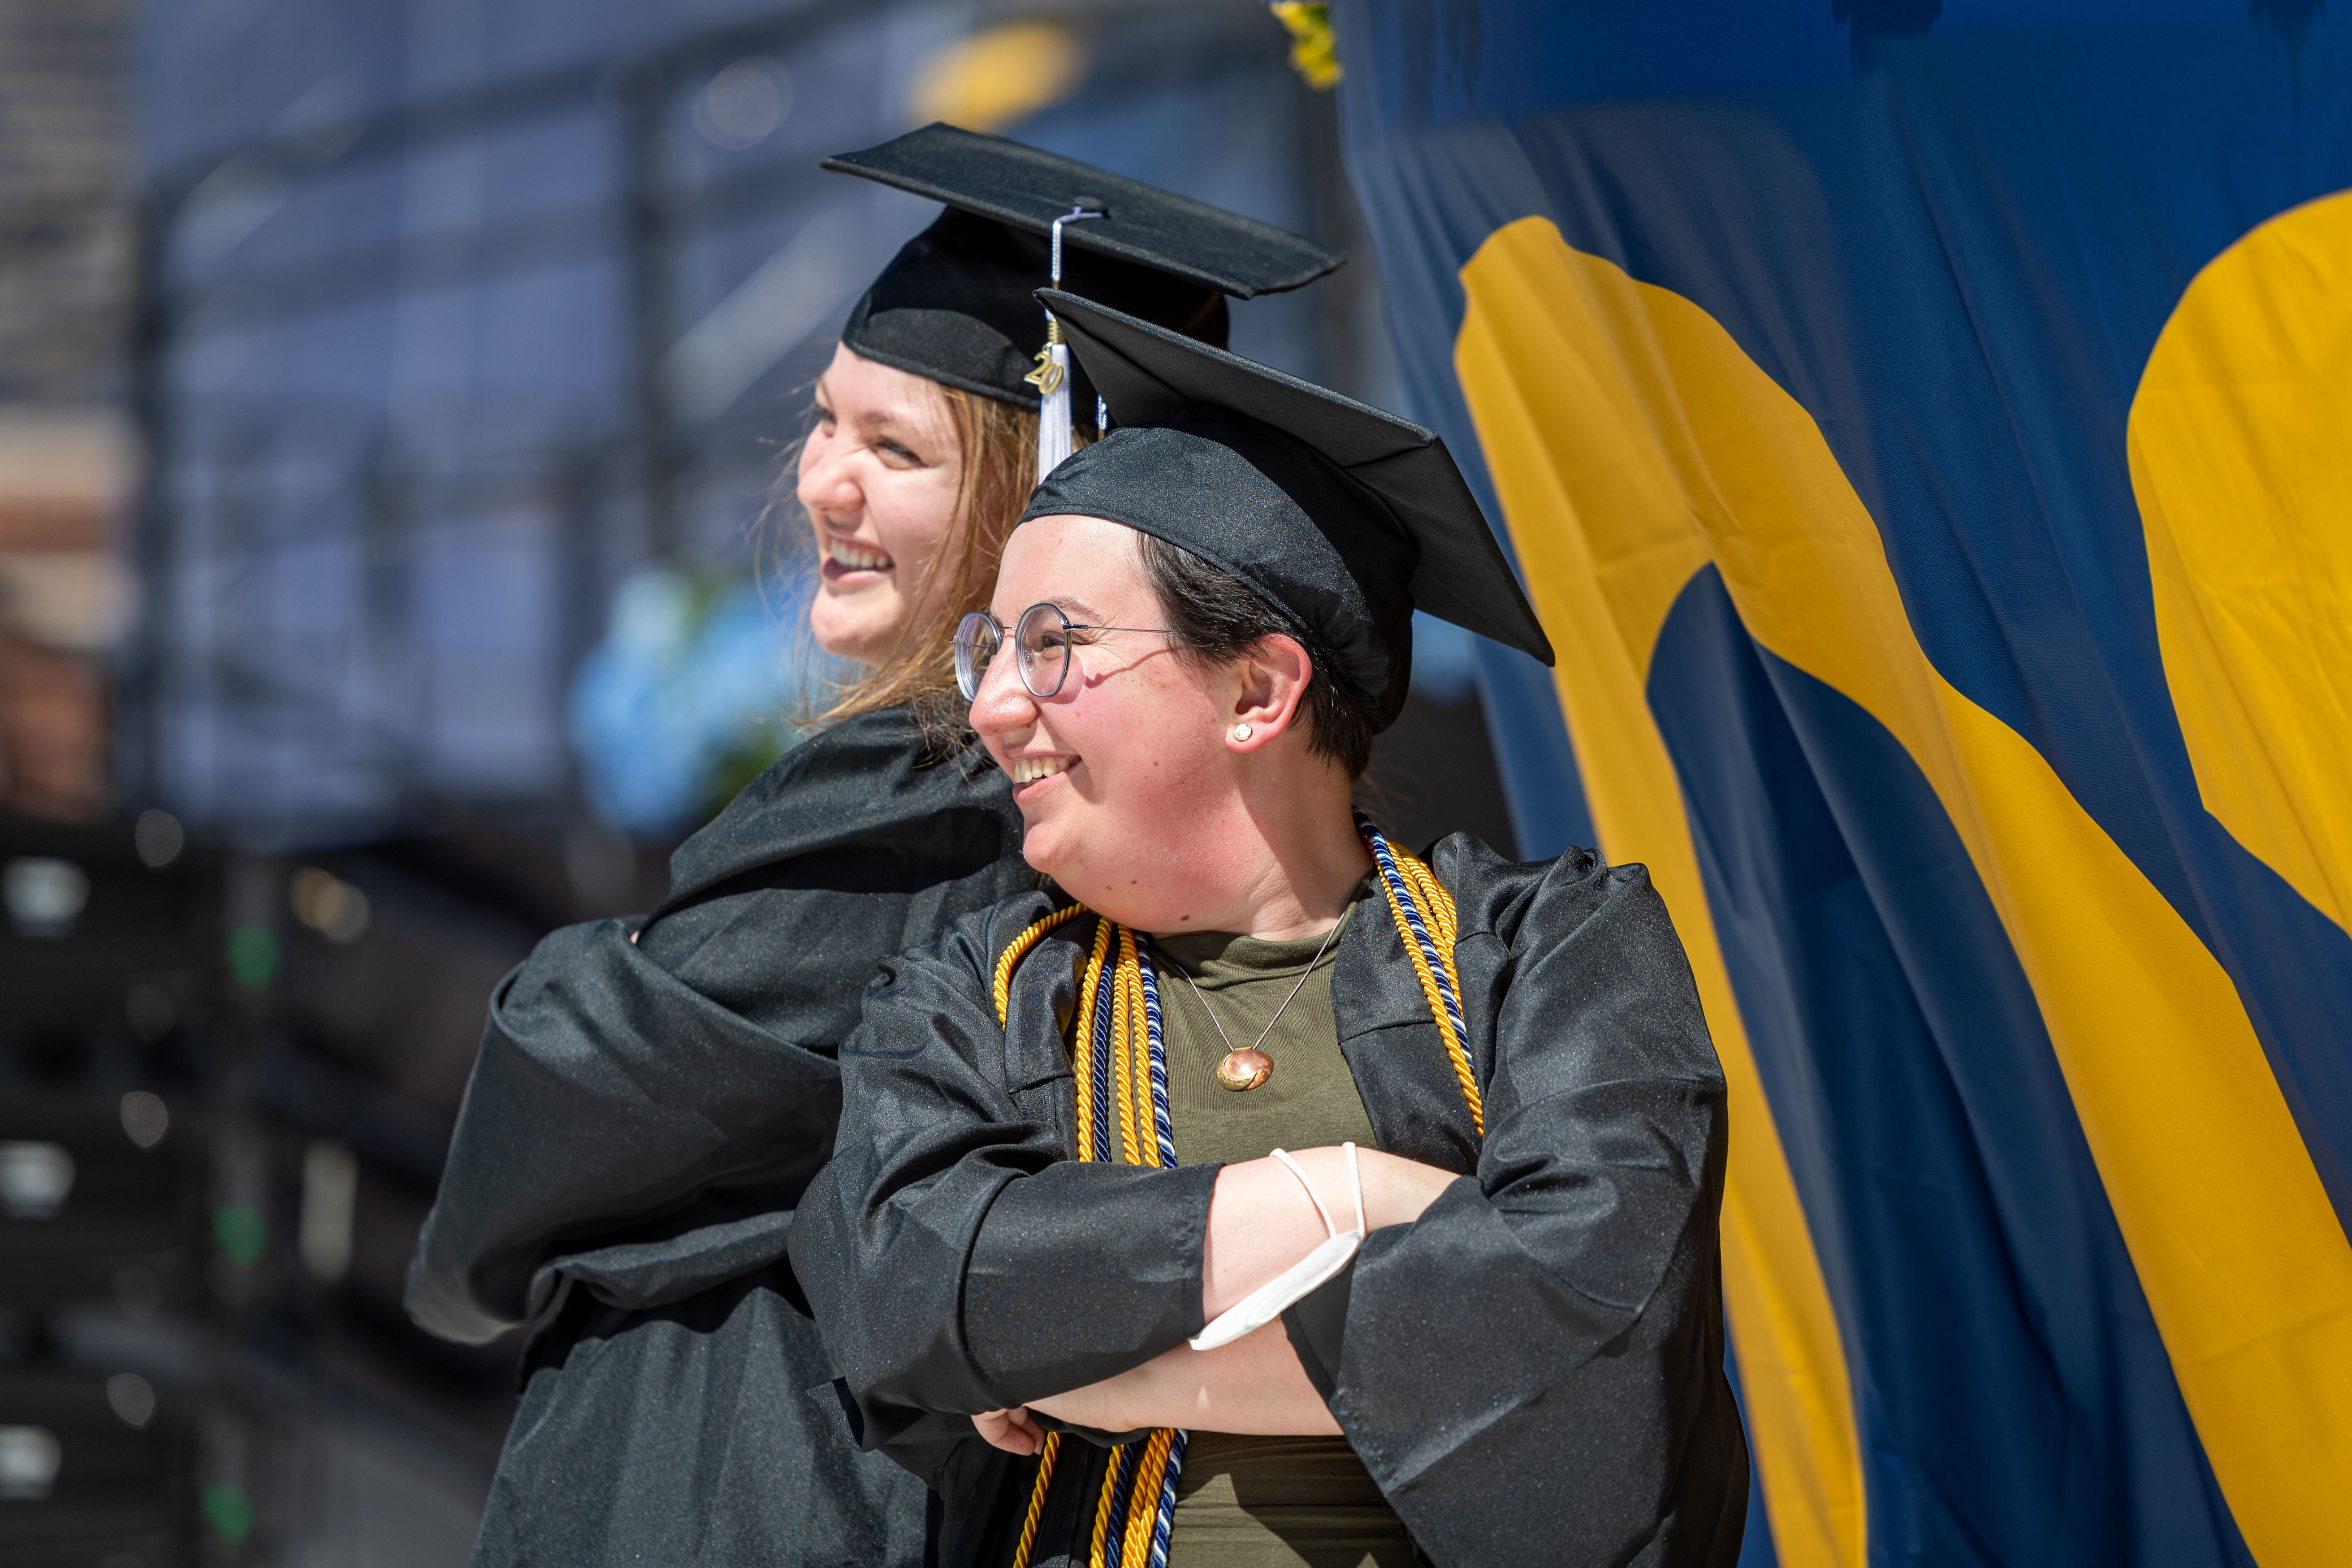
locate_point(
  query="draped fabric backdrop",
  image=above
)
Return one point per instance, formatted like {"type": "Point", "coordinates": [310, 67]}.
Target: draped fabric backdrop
{"type": "Point", "coordinates": [1928, 438]}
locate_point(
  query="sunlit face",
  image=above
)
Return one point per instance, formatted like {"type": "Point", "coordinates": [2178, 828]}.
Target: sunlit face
{"type": "Point", "coordinates": [878, 479]}
{"type": "Point", "coordinates": [1123, 776]}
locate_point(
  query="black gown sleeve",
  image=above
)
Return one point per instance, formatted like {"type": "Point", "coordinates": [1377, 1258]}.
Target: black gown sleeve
{"type": "Point", "coordinates": [938, 1247]}
{"type": "Point", "coordinates": [649, 1099]}
{"type": "Point", "coordinates": [1533, 1371]}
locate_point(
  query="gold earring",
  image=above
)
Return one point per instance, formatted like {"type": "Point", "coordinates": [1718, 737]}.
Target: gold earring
{"type": "Point", "coordinates": [1243, 731]}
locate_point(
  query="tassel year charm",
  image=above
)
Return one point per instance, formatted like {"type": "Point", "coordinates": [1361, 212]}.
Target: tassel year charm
{"type": "Point", "coordinates": [1052, 380]}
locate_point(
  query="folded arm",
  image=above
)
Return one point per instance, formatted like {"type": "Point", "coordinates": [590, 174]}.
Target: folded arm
{"type": "Point", "coordinates": [959, 1262]}
{"type": "Point", "coordinates": [1261, 1221]}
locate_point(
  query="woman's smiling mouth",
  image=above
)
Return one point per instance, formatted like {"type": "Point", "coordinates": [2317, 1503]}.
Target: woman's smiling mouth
{"type": "Point", "coordinates": [1025, 771]}
{"type": "Point", "coordinates": [842, 556]}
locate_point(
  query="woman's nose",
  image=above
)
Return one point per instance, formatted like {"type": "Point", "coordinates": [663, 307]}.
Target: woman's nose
{"type": "Point", "coordinates": [827, 484]}
{"type": "Point", "coordinates": [1003, 704]}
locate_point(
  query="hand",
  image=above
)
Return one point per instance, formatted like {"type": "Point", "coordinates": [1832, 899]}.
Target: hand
{"type": "Point", "coordinates": [1012, 1430]}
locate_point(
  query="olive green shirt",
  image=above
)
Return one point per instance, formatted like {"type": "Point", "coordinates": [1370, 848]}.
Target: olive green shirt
{"type": "Point", "coordinates": [1310, 1099]}
{"type": "Point", "coordinates": [1266, 1502]}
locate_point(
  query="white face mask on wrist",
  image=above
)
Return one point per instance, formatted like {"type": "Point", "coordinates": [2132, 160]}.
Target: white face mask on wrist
{"type": "Point", "coordinates": [1270, 1300]}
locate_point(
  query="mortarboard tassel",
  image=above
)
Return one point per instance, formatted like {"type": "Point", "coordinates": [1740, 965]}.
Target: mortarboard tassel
{"type": "Point", "coordinates": [1052, 376]}
{"type": "Point", "coordinates": [1054, 409]}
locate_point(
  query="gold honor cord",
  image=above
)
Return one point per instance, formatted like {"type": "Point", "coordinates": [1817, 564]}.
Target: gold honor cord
{"type": "Point", "coordinates": [1121, 1089]}
{"type": "Point", "coordinates": [1426, 921]}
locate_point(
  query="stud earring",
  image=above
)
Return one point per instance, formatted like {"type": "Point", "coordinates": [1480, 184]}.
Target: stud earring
{"type": "Point", "coordinates": [1243, 731]}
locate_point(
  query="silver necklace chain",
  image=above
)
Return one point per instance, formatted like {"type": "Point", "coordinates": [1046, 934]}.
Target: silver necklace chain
{"type": "Point", "coordinates": [1270, 1023]}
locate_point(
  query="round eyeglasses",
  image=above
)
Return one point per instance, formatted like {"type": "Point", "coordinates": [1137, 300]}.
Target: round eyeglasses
{"type": "Point", "coordinates": [1041, 647]}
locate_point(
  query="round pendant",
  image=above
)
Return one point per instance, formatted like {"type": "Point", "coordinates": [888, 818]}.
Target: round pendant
{"type": "Point", "coordinates": [1244, 1068]}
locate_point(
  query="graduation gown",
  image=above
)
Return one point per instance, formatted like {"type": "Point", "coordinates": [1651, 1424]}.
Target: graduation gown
{"type": "Point", "coordinates": [1533, 1372]}
{"type": "Point", "coordinates": [637, 1131]}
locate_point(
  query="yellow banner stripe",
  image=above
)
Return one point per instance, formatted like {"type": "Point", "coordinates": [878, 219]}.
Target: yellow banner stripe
{"type": "Point", "coordinates": [1603, 583]}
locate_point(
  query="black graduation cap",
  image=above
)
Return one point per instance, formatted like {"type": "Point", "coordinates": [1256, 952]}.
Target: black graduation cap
{"type": "Point", "coordinates": [956, 305]}
{"type": "Point", "coordinates": [1345, 518]}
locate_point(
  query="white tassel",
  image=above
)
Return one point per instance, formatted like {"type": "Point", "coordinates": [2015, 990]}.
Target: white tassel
{"type": "Point", "coordinates": [1054, 411]}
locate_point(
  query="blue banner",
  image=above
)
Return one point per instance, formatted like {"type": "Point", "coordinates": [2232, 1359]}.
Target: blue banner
{"type": "Point", "coordinates": [1926, 432]}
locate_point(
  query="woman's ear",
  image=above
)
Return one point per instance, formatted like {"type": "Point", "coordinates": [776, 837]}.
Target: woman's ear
{"type": "Point", "coordinates": [1268, 683]}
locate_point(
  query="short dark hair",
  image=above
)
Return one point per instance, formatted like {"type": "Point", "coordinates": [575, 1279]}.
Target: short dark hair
{"type": "Point", "coordinates": [1215, 618]}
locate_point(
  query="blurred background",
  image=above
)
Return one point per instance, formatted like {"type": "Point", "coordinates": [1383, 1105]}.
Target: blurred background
{"type": "Point", "coordinates": [393, 398]}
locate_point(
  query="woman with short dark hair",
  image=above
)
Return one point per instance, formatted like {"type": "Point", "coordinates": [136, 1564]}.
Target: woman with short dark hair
{"type": "Point", "coordinates": [1262, 1194]}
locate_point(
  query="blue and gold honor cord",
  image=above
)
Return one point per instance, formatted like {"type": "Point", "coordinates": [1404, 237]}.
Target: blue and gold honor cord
{"type": "Point", "coordinates": [1122, 1115]}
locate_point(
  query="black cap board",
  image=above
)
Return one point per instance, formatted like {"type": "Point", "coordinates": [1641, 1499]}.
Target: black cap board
{"type": "Point", "coordinates": [956, 305]}
{"type": "Point", "coordinates": [1345, 518]}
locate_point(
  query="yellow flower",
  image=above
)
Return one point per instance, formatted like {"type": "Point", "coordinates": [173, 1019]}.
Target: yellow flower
{"type": "Point", "coordinates": [1313, 50]}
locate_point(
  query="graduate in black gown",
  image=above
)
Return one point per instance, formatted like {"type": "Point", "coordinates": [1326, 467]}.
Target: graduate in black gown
{"type": "Point", "coordinates": [1487, 1328]}
{"type": "Point", "coordinates": [653, 1094]}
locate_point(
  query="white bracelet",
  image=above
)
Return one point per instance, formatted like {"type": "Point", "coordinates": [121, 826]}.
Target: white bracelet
{"type": "Point", "coordinates": [1294, 1284]}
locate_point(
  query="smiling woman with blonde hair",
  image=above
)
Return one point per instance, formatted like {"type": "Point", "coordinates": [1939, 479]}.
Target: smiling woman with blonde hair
{"type": "Point", "coordinates": [1262, 1193]}
{"type": "Point", "coordinates": [910, 489]}
{"type": "Point", "coordinates": [653, 1094]}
